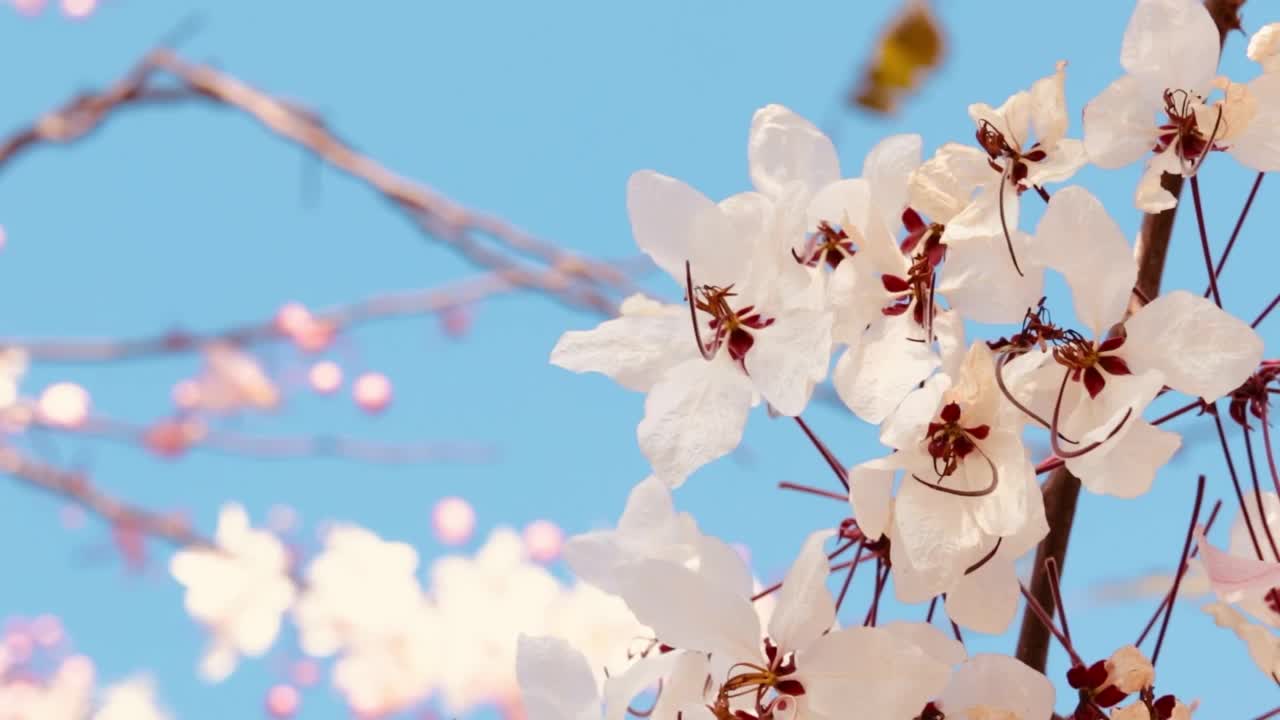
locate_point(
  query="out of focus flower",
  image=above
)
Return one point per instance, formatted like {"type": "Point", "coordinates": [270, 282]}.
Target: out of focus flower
{"type": "Point", "coordinates": [239, 589]}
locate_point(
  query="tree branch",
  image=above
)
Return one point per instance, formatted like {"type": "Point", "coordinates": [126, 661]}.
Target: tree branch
{"type": "Point", "coordinates": [571, 279]}
{"type": "Point", "coordinates": [1062, 489]}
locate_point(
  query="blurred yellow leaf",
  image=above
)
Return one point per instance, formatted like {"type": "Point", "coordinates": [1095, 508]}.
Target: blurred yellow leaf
{"type": "Point", "coordinates": [909, 50]}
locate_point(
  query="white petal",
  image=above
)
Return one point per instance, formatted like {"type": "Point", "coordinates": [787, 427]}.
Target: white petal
{"type": "Point", "coordinates": [888, 167]}
{"type": "Point", "coordinates": [683, 690]}
{"type": "Point", "coordinates": [634, 350]}
{"type": "Point", "coordinates": [841, 204]}
{"type": "Point", "coordinates": [1118, 124]}
{"type": "Point", "coordinates": [1171, 44]}
{"type": "Point", "coordinates": [1151, 195]}
{"type": "Point", "coordinates": [785, 148]}
{"type": "Point", "coordinates": [620, 690]}
{"type": "Point", "coordinates": [944, 185]}
{"type": "Point", "coordinates": [694, 415]}
{"type": "Point", "coordinates": [936, 529]}
{"type": "Point", "coordinates": [1201, 350]}
{"type": "Point", "coordinates": [982, 217]}
{"type": "Point", "coordinates": [674, 223]}
{"type": "Point", "coordinates": [1258, 146]}
{"type": "Point", "coordinates": [1060, 164]}
{"type": "Point", "coordinates": [870, 669]}
{"type": "Point", "coordinates": [1264, 47]}
{"type": "Point", "coordinates": [905, 429]}
{"type": "Point", "coordinates": [999, 682]}
{"type": "Point", "coordinates": [931, 639]}
{"type": "Point", "coordinates": [708, 618]}
{"type": "Point", "coordinates": [1129, 467]}
{"type": "Point", "coordinates": [986, 600]}
{"type": "Point", "coordinates": [805, 607]}
{"type": "Point", "coordinates": [1264, 647]}
{"type": "Point", "coordinates": [555, 680]}
{"type": "Point", "coordinates": [871, 494]}
{"type": "Point", "coordinates": [788, 357]}
{"type": "Point", "coordinates": [1049, 106]}
{"type": "Point", "coordinates": [1231, 576]}
{"type": "Point", "coordinates": [873, 378]}
{"type": "Point", "coordinates": [1079, 239]}
{"type": "Point", "coordinates": [1012, 119]}
{"type": "Point", "coordinates": [722, 565]}
{"type": "Point", "coordinates": [980, 282]}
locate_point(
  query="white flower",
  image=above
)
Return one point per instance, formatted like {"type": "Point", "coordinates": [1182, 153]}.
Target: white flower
{"type": "Point", "coordinates": [745, 339]}
{"type": "Point", "coordinates": [1255, 127]}
{"type": "Point", "coordinates": [1006, 164]}
{"type": "Point", "coordinates": [1129, 670]}
{"type": "Point", "coordinates": [650, 528]}
{"type": "Point", "coordinates": [234, 379]}
{"type": "Point", "coordinates": [1263, 644]}
{"type": "Point", "coordinates": [557, 683]}
{"type": "Point", "coordinates": [131, 700]}
{"type": "Point", "coordinates": [968, 487]}
{"type": "Point", "coordinates": [1095, 391]}
{"type": "Point", "coordinates": [996, 687]}
{"type": "Point", "coordinates": [359, 587]}
{"type": "Point", "coordinates": [1239, 576]}
{"type": "Point", "coordinates": [239, 589]}
{"type": "Point", "coordinates": [64, 696]}
{"type": "Point", "coordinates": [1170, 54]}
{"type": "Point", "coordinates": [873, 669]}
{"type": "Point", "coordinates": [387, 674]}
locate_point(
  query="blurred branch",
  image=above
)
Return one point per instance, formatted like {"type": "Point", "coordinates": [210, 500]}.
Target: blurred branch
{"type": "Point", "coordinates": [337, 318]}
{"type": "Point", "coordinates": [76, 487]}
{"type": "Point", "coordinates": [571, 279]}
{"type": "Point", "coordinates": [173, 437]}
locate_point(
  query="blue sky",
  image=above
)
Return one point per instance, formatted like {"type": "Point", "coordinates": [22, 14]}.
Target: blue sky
{"type": "Point", "coordinates": [193, 217]}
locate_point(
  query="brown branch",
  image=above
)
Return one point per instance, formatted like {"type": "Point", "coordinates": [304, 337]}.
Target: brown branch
{"type": "Point", "coordinates": [1062, 489]}
{"type": "Point", "coordinates": [196, 435]}
{"type": "Point", "coordinates": [337, 318]}
{"type": "Point", "coordinates": [571, 279]}
{"type": "Point", "coordinates": [76, 487]}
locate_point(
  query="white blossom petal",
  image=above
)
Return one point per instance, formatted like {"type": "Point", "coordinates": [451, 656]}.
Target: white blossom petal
{"type": "Point", "coordinates": [555, 680]}
{"type": "Point", "coordinates": [789, 357]}
{"type": "Point", "coordinates": [785, 148]}
{"type": "Point", "coordinates": [871, 494]}
{"type": "Point", "coordinates": [805, 607]}
{"type": "Point", "coordinates": [1171, 44]}
{"type": "Point", "coordinates": [888, 167]}
{"type": "Point", "coordinates": [1001, 683]}
{"type": "Point", "coordinates": [986, 600]}
{"type": "Point", "coordinates": [674, 223]}
{"type": "Point", "coordinates": [1079, 239]}
{"type": "Point", "coordinates": [708, 618]}
{"type": "Point", "coordinates": [980, 282]}
{"type": "Point", "coordinates": [873, 378]}
{"type": "Point", "coordinates": [634, 350]}
{"type": "Point", "coordinates": [1129, 466]}
{"type": "Point", "coordinates": [1118, 124]}
{"type": "Point", "coordinates": [694, 415]}
{"type": "Point", "coordinates": [1200, 349]}
{"type": "Point", "coordinates": [870, 669]}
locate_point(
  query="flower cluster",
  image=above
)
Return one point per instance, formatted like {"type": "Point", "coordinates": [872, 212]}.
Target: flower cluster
{"type": "Point", "coordinates": [886, 271]}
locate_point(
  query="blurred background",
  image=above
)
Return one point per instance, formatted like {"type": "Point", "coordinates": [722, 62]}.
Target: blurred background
{"type": "Point", "coordinates": [189, 216]}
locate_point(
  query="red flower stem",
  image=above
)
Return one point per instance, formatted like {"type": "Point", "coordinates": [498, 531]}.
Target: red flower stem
{"type": "Point", "coordinates": [813, 491]}
{"type": "Point", "coordinates": [1168, 596]}
{"type": "Point", "coordinates": [1182, 562]}
{"type": "Point", "coordinates": [836, 466]}
{"type": "Point", "coordinates": [1257, 496]}
{"type": "Point", "coordinates": [1235, 233]}
{"type": "Point", "coordinates": [1235, 479]}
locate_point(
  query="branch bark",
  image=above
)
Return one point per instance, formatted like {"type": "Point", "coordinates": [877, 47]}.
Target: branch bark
{"type": "Point", "coordinates": [1062, 489]}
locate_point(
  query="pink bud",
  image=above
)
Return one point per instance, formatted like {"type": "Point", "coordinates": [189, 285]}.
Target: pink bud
{"type": "Point", "coordinates": [282, 701]}
{"type": "Point", "coordinates": [306, 672]}
{"type": "Point", "coordinates": [325, 377]}
{"type": "Point", "coordinates": [29, 7]}
{"type": "Point", "coordinates": [186, 394]}
{"type": "Point", "coordinates": [543, 540]}
{"type": "Point", "coordinates": [455, 320]}
{"type": "Point", "coordinates": [372, 392]}
{"type": "Point", "coordinates": [170, 438]}
{"type": "Point", "coordinates": [79, 9]}
{"type": "Point", "coordinates": [64, 404]}
{"type": "Point", "coordinates": [454, 520]}
{"type": "Point", "coordinates": [292, 318]}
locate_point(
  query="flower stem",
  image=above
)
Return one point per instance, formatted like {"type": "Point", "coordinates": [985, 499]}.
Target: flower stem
{"type": "Point", "coordinates": [1182, 564]}
{"type": "Point", "coordinates": [1235, 233]}
{"type": "Point", "coordinates": [1204, 242]}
